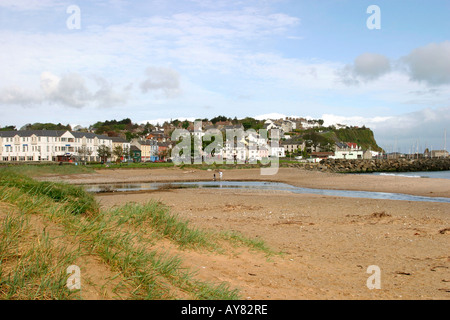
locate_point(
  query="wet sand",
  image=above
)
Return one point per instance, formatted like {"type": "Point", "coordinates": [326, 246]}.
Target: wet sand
{"type": "Point", "coordinates": [296, 177]}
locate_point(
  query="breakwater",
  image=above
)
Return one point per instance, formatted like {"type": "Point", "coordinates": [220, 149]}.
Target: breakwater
{"type": "Point", "coordinates": [380, 165]}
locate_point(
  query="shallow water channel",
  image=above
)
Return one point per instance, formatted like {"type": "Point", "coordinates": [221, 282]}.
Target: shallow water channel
{"type": "Point", "coordinates": [255, 185]}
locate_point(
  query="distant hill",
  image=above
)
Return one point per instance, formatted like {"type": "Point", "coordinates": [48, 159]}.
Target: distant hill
{"type": "Point", "coordinates": [364, 137]}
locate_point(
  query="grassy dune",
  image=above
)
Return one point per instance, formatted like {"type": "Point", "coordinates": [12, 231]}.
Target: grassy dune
{"type": "Point", "coordinates": [46, 227]}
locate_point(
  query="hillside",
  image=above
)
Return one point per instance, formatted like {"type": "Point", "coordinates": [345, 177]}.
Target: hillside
{"type": "Point", "coordinates": [364, 137]}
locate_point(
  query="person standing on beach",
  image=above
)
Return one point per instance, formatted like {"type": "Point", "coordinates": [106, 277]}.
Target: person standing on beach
{"type": "Point", "coordinates": [220, 175]}
{"type": "Point", "coordinates": [214, 177]}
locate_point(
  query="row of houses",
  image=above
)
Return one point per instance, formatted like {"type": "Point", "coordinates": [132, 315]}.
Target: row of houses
{"type": "Point", "coordinates": [63, 146]}
{"type": "Point", "coordinates": [51, 145]}
{"type": "Point", "coordinates": [68, 146]}
{"type": "Point", "coordinates": [348, 150]}
{"type": "Point", "coordinates": [59, 145]}
{"type": "Point", "coordinates": [55, 145]}
{"type": "Point", "coordinates": [291, 124]}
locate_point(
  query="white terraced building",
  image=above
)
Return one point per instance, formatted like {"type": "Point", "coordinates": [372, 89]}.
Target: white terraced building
{"type": "Point", "coordinates": [50, 145]}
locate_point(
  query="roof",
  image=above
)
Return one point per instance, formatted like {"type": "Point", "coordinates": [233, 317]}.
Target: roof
{"type": "Point", "coordinates": [50, 133]}
{"type": "Point", "coordinates": [89, 135]}
{"type": "Point", "coordinates": [156, 133]}
{"type": "Point", "coordinates": [444, 151]}
{"type": "Point", "coordinates": [134, 148]}
{"type": "Point", "coordinates": [29, 133]}
{"type": "Point", "coordinates": [147, 142]}
{"type": "Point", "coordinates": [341, 145]}
{"type": "Point", "coordinates": [164, 144]}
{"type": "Point", "coordinates": [118, 139]}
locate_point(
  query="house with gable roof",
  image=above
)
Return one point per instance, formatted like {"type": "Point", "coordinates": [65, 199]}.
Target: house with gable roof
{"type": "Point", "coordinates": [50, 145]}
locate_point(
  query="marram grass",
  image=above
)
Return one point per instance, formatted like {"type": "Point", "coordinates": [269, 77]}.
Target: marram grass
{"type": "Point", "coordinates": [33, 264]}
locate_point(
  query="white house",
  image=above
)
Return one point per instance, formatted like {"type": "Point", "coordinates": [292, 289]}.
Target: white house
{"type": "Point", "coordinates": [309, 124]}
{"type": "Point", "coordinates": [348, 151]}
{"type": "Point", "coordinates": [287, 125]}
{"type": "Point", "coordinates": [50, 145]}
{"type": "Point", "coordinates": [276, 151]}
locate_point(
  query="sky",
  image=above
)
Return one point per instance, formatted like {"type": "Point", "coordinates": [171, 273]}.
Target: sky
{"type": "Point", "coordinates": [79, 62]}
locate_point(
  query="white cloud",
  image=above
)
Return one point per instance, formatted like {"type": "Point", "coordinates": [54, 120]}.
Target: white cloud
{"type": "Point", "coordinates": [70, 90]}
{"type": "Point", "coordinates": [160, 79]}
{"type": "Point", "coordinates": [404, 132]}
{"type": "Point", "coordinates": [331, 119]}
{"type": "Point", "coordinates": [15, 95]}
{"type": "Point", "coordinates": [430, 64]}
{"type": "Point", "coordinates": [25, 5]}
{"type": "Point", "coordinates": [366, 67]}
{"type": "Point", "coordinates": [270, 116]}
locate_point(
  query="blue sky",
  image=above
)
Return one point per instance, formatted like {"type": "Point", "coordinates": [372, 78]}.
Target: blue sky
{"type": "Point", "coordinates": [162, 59]}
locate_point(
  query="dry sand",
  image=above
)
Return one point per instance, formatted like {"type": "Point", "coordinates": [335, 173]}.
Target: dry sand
{"type": "Point", "coordinates": [328, 242]}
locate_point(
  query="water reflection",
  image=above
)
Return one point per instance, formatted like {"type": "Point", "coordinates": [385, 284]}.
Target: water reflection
{"type": "Point", "coordinates": [257, 185]}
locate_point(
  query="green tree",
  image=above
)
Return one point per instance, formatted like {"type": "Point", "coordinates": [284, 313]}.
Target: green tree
{"type": "Point", "coordinates": [104, 152]}
{"type": "Point", "coordinates": [185, 124]}
{"type": "Point", "coordinates": [83, 153]}
{"type": "Point", "coordinates": [8, 128]}
{"type": "Point", "coordinates": [219, 118]}
{"type": "Point", "coordinates": [118, 153]}
{"type": "Point", "coordinates": [46, 126]}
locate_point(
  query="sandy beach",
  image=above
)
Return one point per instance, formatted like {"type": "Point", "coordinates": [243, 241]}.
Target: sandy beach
{"type": "Point", "coordinates": [328, 242]}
